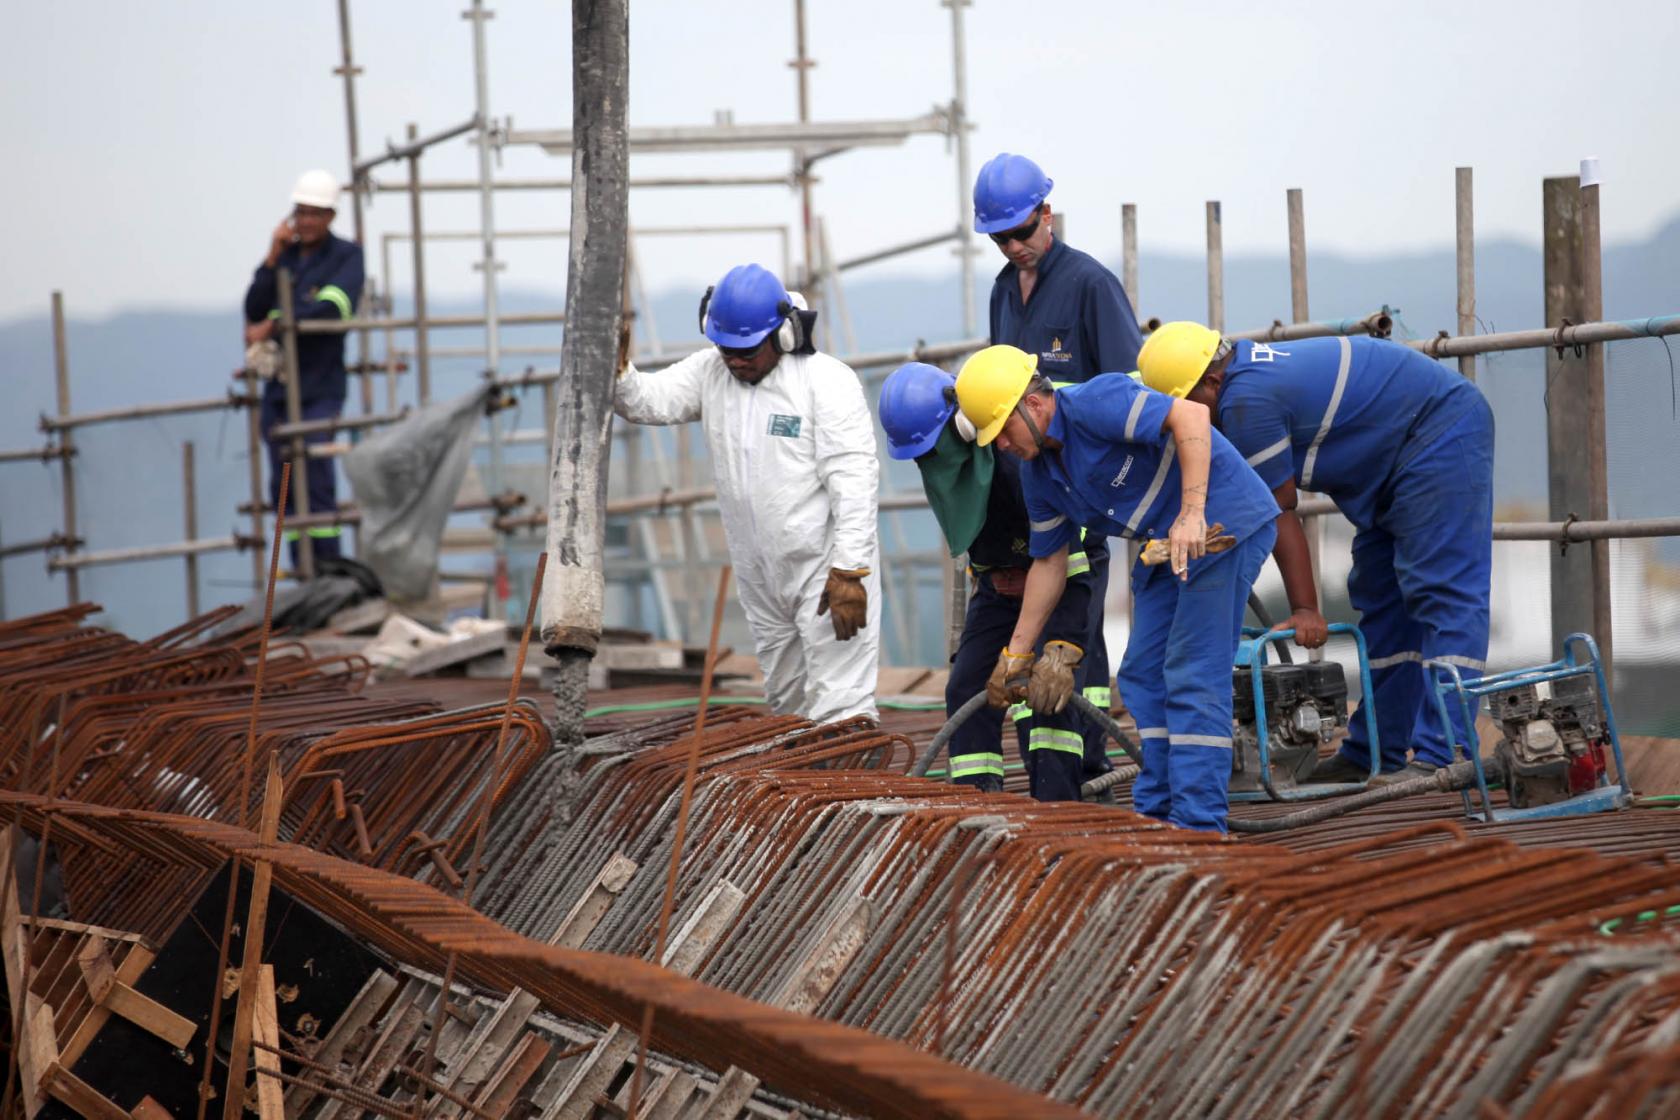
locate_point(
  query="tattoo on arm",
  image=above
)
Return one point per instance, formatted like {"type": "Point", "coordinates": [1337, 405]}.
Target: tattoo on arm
{"type": "Point", "coordinates": [1192, 439]}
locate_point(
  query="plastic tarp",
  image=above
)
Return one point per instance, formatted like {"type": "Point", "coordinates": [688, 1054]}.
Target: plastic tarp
{"type": "Point", "coordinates": [405, 479]}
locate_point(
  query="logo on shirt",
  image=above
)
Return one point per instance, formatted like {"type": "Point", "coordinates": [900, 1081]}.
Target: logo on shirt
{"type": "Point", "coordinates": [787, 426]}
{"type": "Point", "coordinates": [1264, 353]}
{"type": "Point", "coordinates": [1055, 353]}
{"type": "Point", "coordinates": [1125, 469]}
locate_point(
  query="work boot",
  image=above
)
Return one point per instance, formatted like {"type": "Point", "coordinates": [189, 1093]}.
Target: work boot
{"type": "Point", "coordinates": [1338, 769]}
{"type": "Point", "coordinates": [1416, 768]}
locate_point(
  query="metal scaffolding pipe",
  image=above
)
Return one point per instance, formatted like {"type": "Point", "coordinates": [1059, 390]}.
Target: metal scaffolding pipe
{"type": "Point", "coordinates": [414, 147]}
{"type": "Point", "coordinates": [32, 454]}
{"type": "Point", "coordinates": [46, 544]}
{"type": "Point", "coordinates": [1215, 266]}
{"type": "Point", "coordinates": [722, 137]}
{"type": "Point", "coordinates": [294, 415]}
{"type": "Point", "coordinates": [67, 420]}
{"type": "Point", "coordinates": [899, 250]}
{"type": "Point", "coordinates": [1568, 532]}
{"type": "Point", "coordinates": [1378, 324]}
{"type": "Point", "coordinates": [465, 185]}
{"type": "Point", "coordinates": [79, 560]}
{"type": "Point", "coordinates": [66, 438]}
{"type": "Point", "coordinates": [337, 424]}
{"type": "Point", "coordinates": [344, 326]}
{"type": "Point", "coordinates": [965, 182]}
{"type": "Point", "coordinates": [1129, 253]}
{"type": "Point", "coordinates": [189, 507]}
{"type": "Point", "coordinates": [1563, 338]}
{"type": "Point", "coordinates": [421, 350]}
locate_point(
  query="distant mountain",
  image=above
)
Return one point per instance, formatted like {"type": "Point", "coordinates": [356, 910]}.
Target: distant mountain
{"type": "Point", "coordinates": [129, 475]}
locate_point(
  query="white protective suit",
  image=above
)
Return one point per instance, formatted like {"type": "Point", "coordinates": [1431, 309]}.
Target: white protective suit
{"type": "Point", "coordinates": [794, 459]}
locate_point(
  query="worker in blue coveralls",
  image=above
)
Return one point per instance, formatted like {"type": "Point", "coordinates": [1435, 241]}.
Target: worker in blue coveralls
{"type": "Point", "coordinates": [1116, 458]}
{"type": "Point", "coordinates": [1404, 446]}
{"type": "Point", "coordinates": [976, 498]}
{"type": "Point", "coordinates": [1061, 304]}
{"type": "Point", "coordinates": [326, 284]}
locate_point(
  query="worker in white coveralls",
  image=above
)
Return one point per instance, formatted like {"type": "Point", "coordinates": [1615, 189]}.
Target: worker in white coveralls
{"type": "Point", "coordinates": [792, 444]}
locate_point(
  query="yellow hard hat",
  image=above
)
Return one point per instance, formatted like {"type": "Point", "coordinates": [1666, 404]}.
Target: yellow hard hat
{"type": "Point", "coordinates": [990, 385]}
{"type": "Point", "coordinates": [1175, 355]}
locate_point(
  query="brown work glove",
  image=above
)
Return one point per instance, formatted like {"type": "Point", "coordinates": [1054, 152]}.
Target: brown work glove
{"type": "Point", "coordinates": [624, 346]}
{"type": "Point", "coordinates": [1158, 551]}
{"type": "Point", "coordinates": [1007, 684]}
{"type": "Point", "coordinates": [1051, 685]}
{"type": "Point", "coordinates": [846, 601]}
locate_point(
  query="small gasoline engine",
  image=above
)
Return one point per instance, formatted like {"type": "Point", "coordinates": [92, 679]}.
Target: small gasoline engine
{"type": "Point", "coordinates": [1303, 706]}
{"type": "Point", "coordinates": [1554, 739]}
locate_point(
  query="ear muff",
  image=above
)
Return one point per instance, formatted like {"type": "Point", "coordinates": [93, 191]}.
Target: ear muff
{"type": "Point", "coordinates": [705, 302]}
{"type": "Point", "coordinates": [790, 335]}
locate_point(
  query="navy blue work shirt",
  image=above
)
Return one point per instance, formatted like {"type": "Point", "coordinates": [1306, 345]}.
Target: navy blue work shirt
{"type": "Point", "coordinates": [1336, 414]}
{"type": "Point", "coordinates": [326, 284]}
{"type": "Point", "coordinates": [1078, 322]}
{"type": "Point", "coordinates": [1117, 471]}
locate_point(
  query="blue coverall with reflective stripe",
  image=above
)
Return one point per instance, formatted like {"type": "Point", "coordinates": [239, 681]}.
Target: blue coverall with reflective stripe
{"type": "Point", "coordinates": [1117, 473]}
{"type": "Point", "coordinates": [1404, 446]}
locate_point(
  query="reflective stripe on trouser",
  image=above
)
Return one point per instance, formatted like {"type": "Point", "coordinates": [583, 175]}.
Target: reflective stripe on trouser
{"type": "Point", "coordinates": [323, 474]}
{"type": "Point", "coordinates": [1176, 680]}
{"type": "Point", "coordinates": [1052, 775]}
{"type": "Point", "coordinates": [1096, 668]}
{"type": "Point", "coordinates": [1420, 581]}
{"type": "Point", "coordinates": [807, 671]}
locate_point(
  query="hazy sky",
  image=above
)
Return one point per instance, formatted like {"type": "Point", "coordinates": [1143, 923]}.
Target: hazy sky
{"type": "Point", "coordinates": [151, 147]}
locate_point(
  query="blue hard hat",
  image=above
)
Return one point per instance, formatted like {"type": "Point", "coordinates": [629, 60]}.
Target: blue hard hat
{"type": "Point", "coordinates": [1006, 191]}
{"type": "Point", "coordinates": [915, 404]}
{"type": "Point", "coordinates": [745, 306]}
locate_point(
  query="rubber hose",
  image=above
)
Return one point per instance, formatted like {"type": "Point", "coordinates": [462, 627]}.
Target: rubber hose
{"type": "Point", "coordinates": [1101, 718]}
{"type": "Point", "coordinates": [1265, 619]}
{"type": "Point", "coordinates": [1460, 775]}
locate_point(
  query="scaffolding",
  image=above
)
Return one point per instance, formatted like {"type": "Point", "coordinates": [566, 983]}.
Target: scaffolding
{"type": "Point", "coordinates": [670, 525]}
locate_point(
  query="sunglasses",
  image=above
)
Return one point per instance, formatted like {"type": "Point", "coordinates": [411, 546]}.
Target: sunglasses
{"type": "Point", "coordinates": [740, 351]}
{"type": "Point", "coordinates": [1020, 232]}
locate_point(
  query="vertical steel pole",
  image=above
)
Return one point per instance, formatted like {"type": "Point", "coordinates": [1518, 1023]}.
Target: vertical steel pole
{"type": "Point", "coordinates": [492, 324]}
{"type": "Point", "coordinates": [1598, 469]}
{"type": "Point", "coordinates": [67, 444]}
{"type": "Point", "coordinates": [294, 415]}
{"type": "Point", "coordinates": [256, 440]}
{"type": "Point", "coordinates": [348, 69]}
{"type": "Point", "coordinates": [1215, 266]}
{"type": "Point", "coordinates": [422, 350]}
{"type": "Point", "coordinates": [1466, 265]}
{"type": "Point", "coordinates": [965, 179]}
{"type": "Point", "coordinates": [189, 502]}
{"type": "Point", "coordinates": [1299, 313]}
{"type": "Point", "coordinates": [1297, 258]}
{"type": "Point", "coordinates": [1569, 469]}
{"type": "Point", "coordinates": [802, 64]}
{"type": "Point", "coordinates": [1129, 254]}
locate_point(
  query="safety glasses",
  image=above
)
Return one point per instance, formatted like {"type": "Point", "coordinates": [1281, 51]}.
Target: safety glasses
{"type": "Point", "coordinates": [741, 351]}
{"type": "Point", "coordinates": [1020, 232]}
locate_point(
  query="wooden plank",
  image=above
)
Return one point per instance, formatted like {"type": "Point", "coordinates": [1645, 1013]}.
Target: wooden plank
{"type": "Point", "coordinates": [521, 1065]}
{"type": "Point", "coordinates": [71, 1090]}
{"type": "Point", "coordinates": [148, 1109]}
{"type": "Point", "coordinates": [485, 1048]}
{"type": "Point", "coordinates": [697, 935]}
{"type": "Point", "coordinates": [133, 966]}
{"type": "Point", "coordinates": [37, 1052]}
{"type": "Point", "coordinates": [265, 1030]}
{"type": "Point", "coordinates": [362, 1010]}
{"type": "Point", "coordinates": [588, 911]}
{"type": "Point", "coordinates": [678, 1087]}
{"type": "Point", "coordinates": [256, 920]}
{"type": "Point", "coordinates": [109, 992]}
{"type": "Point", "coordinates": [734, 1089]}
{"type": "Point", "coordinates": [455, 653]}
{"type": "Point", "coordinates": [810, 982]}
{"type": "Point", "coordinates": [82, 929]}
{"type": "Point", "coordinates": [592, 1076]}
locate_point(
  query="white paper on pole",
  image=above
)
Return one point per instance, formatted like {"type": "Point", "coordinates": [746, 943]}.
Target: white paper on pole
{"type": "Point", "coordinates": [1589, 171]}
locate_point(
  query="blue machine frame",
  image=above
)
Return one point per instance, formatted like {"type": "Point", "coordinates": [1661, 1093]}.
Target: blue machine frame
{"type": "Point", "coordinates": [1602, 799]}
{"type": "Point", "coordinates": [1253, 653]}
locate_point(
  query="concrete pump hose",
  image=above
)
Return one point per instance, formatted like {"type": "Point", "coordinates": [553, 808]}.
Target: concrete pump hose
{"type": "Point", "coordinates": [1460, 775]}
{"type": "Point", "coordinates": [1101, 718]}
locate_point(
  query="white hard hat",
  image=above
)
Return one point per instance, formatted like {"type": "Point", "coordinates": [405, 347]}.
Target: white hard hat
{"type": "Point", "coordinates": [317, 188]}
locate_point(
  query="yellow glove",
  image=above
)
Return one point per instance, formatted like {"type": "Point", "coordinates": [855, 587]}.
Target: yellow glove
{"type": "Point", "coordinates": [1007, 684]}
{"type": "Point", "coordinates": [846, 600]}
{"type": "Point", "coordinates": [1158, 551]}
{"type": "Point", "coordinates": [1051, 685]}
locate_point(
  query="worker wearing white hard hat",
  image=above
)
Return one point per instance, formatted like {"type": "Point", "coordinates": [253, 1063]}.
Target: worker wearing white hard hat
{"type": "Point", "coordinates": [327, 277]}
